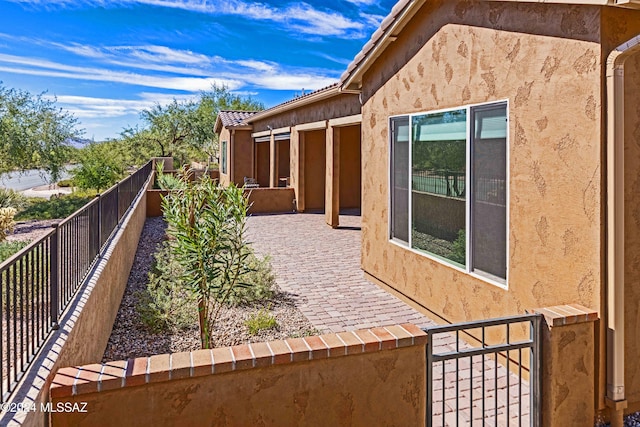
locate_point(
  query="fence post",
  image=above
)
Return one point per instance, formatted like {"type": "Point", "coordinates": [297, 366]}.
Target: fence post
{"type": "Point", "coordinates": [99, 196]}
{"type": "Point", "coordinates": [54, 268]}
{"type": "Point", "coordinates": [568, 365]}
{"type": "Point", "coordinates": [536, 371]}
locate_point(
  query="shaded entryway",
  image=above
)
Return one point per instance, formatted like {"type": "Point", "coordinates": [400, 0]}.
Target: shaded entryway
{"type": "Point", "coordinates": [350, 168]}
{"type": "Point", "coordinates": [314, 148]}
{"type": "Point", "coordinates": [262, 163]}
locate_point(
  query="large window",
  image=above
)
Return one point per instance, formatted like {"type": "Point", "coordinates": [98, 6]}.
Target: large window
{"type": "Point", "coordinates": [223, 157]}
{"type": "Point", "coordinates": [455, 206]}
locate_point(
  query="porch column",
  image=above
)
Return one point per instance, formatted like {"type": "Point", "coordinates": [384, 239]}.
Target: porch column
{"type": "Point", "coordinates": [332, 178]}
{"type": "Point", "coordinates": [273, 162]}
{"type": "Point", "coordinates": [297, 167]}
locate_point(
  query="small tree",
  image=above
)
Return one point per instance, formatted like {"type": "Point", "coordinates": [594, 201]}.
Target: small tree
{"type": "Point", "coordinates": [98, 169]}
{"type": "Point", "coordinates": [34, 133]}
{"type": "Point", "coordinates": [207, 223]}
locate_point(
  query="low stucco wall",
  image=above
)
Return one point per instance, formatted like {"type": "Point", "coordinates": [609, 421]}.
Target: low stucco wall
{"type": "Point", "coordinates": [86, 326]}
{"type": "Point", "coordinates": [270, 200]}
{"type": "Point", "coordinates": [154, 202]}
{"type": "Point", "coordinates": [361, 378]}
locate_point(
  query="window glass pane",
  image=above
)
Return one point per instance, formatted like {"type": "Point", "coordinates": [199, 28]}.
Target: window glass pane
{"type": "Point", "coordinates": [223, 155]}
{"type": "Point", "coordinates": [438, 167]}
{"type": "Point", "coordinates": [488, 201]}
{"type": "Point", "coordinates": [400, 178]}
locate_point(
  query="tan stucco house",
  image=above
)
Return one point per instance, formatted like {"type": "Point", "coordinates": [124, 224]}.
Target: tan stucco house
{"type": "Point", "coordinates": [501, 164]}
{"type": "Point", "coordinates": [235, 159]}
{"type": "Point", "coordinates": [310, 144]}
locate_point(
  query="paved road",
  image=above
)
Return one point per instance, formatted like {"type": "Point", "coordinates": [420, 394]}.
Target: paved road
{"type": "Point", "coordinates": [25, 180]}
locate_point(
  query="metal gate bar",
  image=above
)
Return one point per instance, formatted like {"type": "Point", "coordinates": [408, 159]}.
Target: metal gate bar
{"type": "Point", "coordinates": [493, 405]}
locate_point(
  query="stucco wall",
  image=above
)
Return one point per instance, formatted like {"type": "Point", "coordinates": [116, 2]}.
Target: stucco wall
{"type": "Point", "coordinates": [350, 176]}
{"type": "Point", "coordinates": [632, 227]}
{"type": "Point", "coordinates": [342, 105]}
{"type": "Point", "coordinates": [270, 200]}
{"type": "Point", "coordinates": [373, 380]}
{"type": "Point", "coordinates": [242, 156]}
{"type": "Point", "coordinates": [546, 62]}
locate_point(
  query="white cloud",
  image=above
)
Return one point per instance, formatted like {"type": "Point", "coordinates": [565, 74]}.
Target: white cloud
{"type": "Point", "coordinates": [41, 67]}
{"type": "Point", "coordinates": [85, 107]}
{"type": "Point", "coordinates": [373, 21]}
{"type": "Point", "coordinates": [363, 2]}
{"type": "Point", "coordinates": [298, 16]}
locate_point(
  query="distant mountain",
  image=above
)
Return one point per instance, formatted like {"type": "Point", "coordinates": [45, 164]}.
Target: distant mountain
{"type": "Point", "coordinates": [78, 142]}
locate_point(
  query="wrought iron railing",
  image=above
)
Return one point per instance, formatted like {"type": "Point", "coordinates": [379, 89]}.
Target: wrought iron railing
{"type": "Point", "coordinates": [467, 386]}
{"type": "Point", "coordinates": [39, 282]}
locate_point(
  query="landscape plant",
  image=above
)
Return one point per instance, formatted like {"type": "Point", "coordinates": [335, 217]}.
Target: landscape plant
{"type": "Point", "coordinates": [56, 207]}
{"type": "Point", "coordinates": [9, 248]}
{"type": "Point", "coordinates": [166, 303]}
{"type": "Point", "coordinates": [260, 321]}
{"type": "Point", "coordinates": [6, 222]}
{"type": "Point", "coordinates": [98, 168]}
{"type": "Point", "coordinates": [168, 181]}
{"type": "Point", "coordinates": [206, 225]}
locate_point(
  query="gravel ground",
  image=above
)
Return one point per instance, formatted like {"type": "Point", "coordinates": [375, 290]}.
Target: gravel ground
{"type": "Point", "coordinates": [31, 230]}
{"type": "Point", "coordinates": [130, 338]}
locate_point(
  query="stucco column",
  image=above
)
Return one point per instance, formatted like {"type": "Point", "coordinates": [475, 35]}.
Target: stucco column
{"type": "Point", "coordinates": [297, 167]}
{"type": "Point", "coordinates": [568, 365]}
{"type": "Point", "coordinates": [273, 162]}
{"type": "Point", "coordinates": [332, 177]}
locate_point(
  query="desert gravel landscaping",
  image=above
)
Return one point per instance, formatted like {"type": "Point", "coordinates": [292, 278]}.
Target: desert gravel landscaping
{"type": "Point", "coordinates": [131, 338]}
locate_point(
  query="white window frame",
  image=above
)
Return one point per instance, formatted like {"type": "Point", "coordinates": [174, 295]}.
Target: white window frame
{"type": "Point", "coordinates": [486, 277]}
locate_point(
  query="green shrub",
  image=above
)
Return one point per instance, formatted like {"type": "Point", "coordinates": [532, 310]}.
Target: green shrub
{"type": "Point", "coordinates": [169, 182]}
{"type": "Point", "coordinates": [57, 207]}
{"type": "Point", "coordinates": [65, 183]}
{"type": "Point", "coordinates": [260, 281]}
{"type": "Point", "coordinates": [9, 248]}
{"type": "Point", "coordinates": [458, 253]}
{"type": "Point", "coordinates": [11, 199]}
{"type": "Point", "coordinates": [6, 222]}
{"type": "Point", "coordinates": [166, 303]}
{"type": "Point", "coordinates": [260, 321]}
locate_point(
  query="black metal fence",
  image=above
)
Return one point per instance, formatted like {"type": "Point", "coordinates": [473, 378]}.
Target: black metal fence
{"type": "Point", "coordinates": [38, 283]}
{"type": "Point", "coordinates": [467, 386]}
{"type": "Point", "coordinates": [446, 183]}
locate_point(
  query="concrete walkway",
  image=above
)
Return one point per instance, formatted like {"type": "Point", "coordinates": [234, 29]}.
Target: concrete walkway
{"type": "Point", "coordinates": [320, 266]}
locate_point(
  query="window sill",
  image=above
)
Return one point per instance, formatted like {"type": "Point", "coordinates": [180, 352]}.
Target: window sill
{"type": "Point", "coordinates": [485, 277]}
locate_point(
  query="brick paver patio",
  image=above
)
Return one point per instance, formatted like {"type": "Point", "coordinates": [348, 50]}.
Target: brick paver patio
{"type": "Point", "coordinates": [320, 266]}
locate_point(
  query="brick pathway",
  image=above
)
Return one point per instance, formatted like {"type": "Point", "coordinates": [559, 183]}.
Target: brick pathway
{"type": "Point", "coordinates": [320, 266]}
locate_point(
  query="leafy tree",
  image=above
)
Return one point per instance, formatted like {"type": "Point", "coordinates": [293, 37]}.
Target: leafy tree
{"type": "Point", "coordinates": [34, 133]}
{"type": "Point", "coordinates": [184, 129]}
{"type": "Point", "coordinates": [99, 169]}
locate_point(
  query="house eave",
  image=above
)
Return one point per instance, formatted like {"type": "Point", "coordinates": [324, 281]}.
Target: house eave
{"type": "Point", "coordinates": [296, 103]}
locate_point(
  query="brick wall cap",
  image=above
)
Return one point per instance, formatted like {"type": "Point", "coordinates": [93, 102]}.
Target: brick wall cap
{"type": "Point", "coordinates": [569, 314]}
{"type": "Point", "coordinates": [175, 366]}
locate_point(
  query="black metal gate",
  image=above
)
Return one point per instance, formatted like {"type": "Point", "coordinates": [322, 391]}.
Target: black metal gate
{"type": "Point", "coordinates": [496, 383]}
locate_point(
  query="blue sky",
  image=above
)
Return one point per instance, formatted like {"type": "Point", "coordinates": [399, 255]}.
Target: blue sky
{"type": "Point", "coordinates": [105, 60]}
